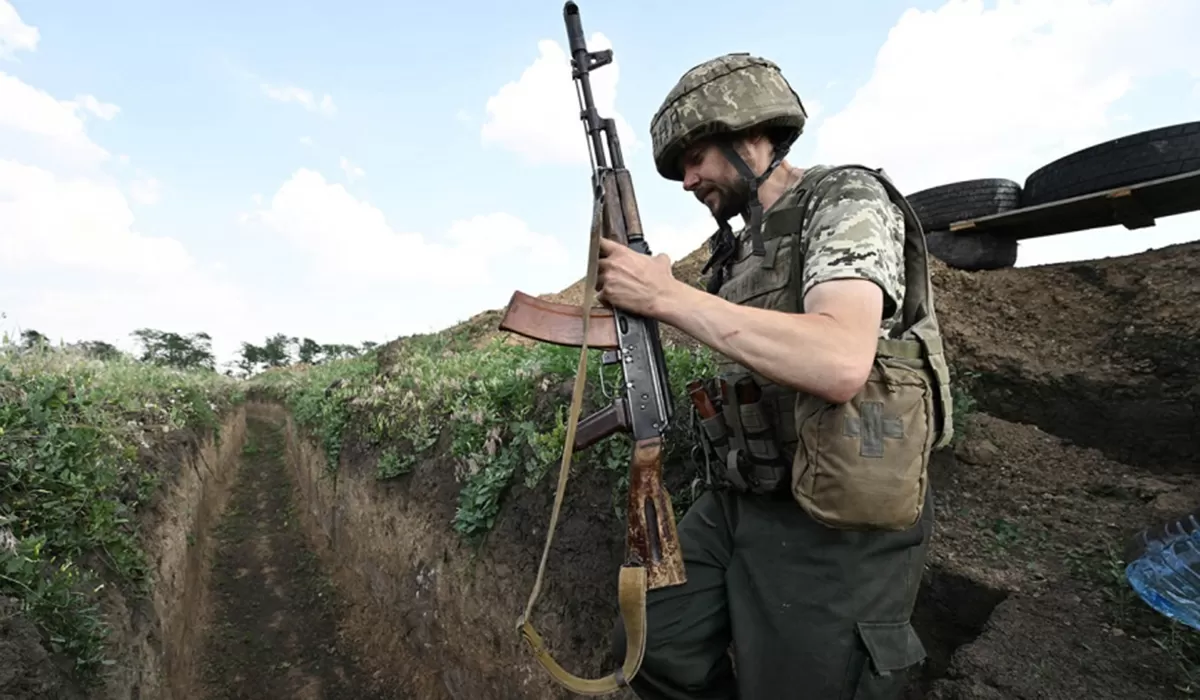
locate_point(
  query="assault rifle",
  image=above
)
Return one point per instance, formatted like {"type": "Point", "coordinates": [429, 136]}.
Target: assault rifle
{"type": "Point", "coordinates": [643, 408]}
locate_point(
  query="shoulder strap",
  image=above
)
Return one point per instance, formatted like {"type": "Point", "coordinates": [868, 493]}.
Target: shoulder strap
{"type": "Point", "coordinates": [920, 338]}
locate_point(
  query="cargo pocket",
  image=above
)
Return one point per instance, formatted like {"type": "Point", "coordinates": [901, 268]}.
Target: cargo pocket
{"type": "Point", "coordinates": [863, 464]}
{"type": "Point", "coordinates": [892, 649]}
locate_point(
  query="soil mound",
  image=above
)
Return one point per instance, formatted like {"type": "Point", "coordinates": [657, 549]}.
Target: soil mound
{"type": "Point", "coordinates": [1035, 525]}
{"type": "Point", "coordinates": [1103, 352]}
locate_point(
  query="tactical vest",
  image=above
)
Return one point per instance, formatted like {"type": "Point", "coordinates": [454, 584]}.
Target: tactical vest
{"type": "Point", "coordinates": [862, 464]}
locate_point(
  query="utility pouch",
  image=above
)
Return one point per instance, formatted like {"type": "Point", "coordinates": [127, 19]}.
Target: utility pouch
{"type": "Point", "coordinates": [753, 461]}
{"type": "Point", "coordinates": [864, 464]}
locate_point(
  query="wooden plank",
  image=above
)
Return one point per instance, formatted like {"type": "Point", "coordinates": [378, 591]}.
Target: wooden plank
{"type": "Point", "coordinates": [1133, 206]}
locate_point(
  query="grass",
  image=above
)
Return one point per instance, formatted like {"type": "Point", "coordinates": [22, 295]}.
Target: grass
{"type": "Point", "coordinates": [495, 407]}
{"type": "Point", "coordinates": [71, 483]}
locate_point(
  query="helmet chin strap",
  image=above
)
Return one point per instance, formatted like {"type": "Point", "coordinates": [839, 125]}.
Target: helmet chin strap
{"type": "Point", "coordinates": [752, 183]}
{"type": "Point", "coordinates": [722, 245]}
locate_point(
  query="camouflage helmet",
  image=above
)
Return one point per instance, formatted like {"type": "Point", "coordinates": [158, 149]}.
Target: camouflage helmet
{"type": "Point", "coordinates": [725, 94]}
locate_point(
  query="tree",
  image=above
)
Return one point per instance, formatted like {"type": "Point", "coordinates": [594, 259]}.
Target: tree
{"type": "Point", "coordinates": [310, 351]}
{"type": "Point", "coordinates": [277, 352]}
{"type": "Point", "coordinates": [174, 350]}
{"type": "Point", "coordinates": [99, 349]}
{"type": "Point", "coordinates": [249, 357]}
{"type": "Point", "coordinates": [31, 339]}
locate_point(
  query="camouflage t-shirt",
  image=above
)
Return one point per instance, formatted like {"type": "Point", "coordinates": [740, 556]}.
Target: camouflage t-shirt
{"type": "Point", "coordinates": [855, 231]}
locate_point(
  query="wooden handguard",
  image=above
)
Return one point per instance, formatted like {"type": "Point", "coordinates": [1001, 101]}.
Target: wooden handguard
{"type": "Point", "coordinates": [560, 324]}
{"type": "Point", "coordinates": [651, 536]}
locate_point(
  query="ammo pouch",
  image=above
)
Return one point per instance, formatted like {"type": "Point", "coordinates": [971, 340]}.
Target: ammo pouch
{"type": "Point", "coordinates": [739, 432]}
{"type": "Point", "coordinates": [864, 464]}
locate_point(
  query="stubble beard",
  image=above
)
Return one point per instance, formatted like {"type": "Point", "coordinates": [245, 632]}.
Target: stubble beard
{"type": "Point", "coordinates": [731, 200]}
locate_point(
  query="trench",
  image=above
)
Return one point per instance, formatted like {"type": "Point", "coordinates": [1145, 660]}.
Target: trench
{"type": "Point", "coordinates": [1114, 418]}
{"type": "Point", "coordinates": [424, 617]}
{"type": "Point", "coordinates": [278, 577]}
{"type": "Point", "coordinates": [274, 630]}
{"type": "Point", "coordinates": [952, 610]}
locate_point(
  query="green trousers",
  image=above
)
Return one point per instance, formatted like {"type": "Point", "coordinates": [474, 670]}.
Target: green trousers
{"type": "Point", "coordinates": [811, 612]}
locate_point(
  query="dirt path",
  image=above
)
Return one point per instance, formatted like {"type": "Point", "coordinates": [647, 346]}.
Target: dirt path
{"type": "Point", "coordinates": [274, 630]}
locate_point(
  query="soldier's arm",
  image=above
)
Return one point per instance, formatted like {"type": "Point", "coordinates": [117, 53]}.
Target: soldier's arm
{"type": "Point", "coordinates": [853, 263]}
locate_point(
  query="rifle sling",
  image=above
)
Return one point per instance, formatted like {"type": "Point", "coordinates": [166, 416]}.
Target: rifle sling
{"type": "Point", "coordinates": [632, 579]}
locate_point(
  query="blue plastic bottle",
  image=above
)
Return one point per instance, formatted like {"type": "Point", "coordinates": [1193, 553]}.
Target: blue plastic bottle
{"type": "Point", "coordinates": [1164, 568]}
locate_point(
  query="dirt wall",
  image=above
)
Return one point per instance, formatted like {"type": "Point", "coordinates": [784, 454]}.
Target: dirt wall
{"type": "Point", "coordinates": [156, 640]}
{"type": "Point", "coordinates": [1101, 352]}
{"type": "Point", "coordinates": [435, 617]}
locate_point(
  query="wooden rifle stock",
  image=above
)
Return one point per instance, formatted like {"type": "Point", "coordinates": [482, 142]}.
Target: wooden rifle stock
{"type": "Point", "coordinates": [650, 535]}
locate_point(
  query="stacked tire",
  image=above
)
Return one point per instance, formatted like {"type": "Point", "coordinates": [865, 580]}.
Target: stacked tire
{"type": "Point", "coordinates": [1120, 162]}
{"type": "Point", "coordinates": [938, 207]}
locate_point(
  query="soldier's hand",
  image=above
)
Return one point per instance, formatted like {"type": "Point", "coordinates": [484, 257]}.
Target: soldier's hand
{"type": "Point", "coordinates": [631, 281]}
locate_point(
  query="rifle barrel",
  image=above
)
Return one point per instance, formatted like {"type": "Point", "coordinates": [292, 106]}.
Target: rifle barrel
{"type": "Point", "coordinates": [581, 61]}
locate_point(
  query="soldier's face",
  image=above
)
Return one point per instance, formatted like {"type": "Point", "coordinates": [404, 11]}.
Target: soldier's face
{"type": "Point", "coordinates": [713, 180]}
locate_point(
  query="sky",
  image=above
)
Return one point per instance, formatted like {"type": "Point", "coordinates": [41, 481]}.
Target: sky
{"type": "Point", "coordinates": [366, 170]}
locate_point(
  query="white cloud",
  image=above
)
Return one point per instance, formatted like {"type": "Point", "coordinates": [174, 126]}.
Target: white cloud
{"type": "Point", "coordinates": [815, 109]}
{"type": "Point", "coordinates": [15, 35]}
{"type": "Point", "coordinates": [306, 140]}
{"type": "Point", "coordinates": [1029, 80]}
{"type": "Point", "coordinates": [77, 223]}
{"type": "Point", "coordinates": [73, 263]}
{"type": "Point", "coordinates": [353, 172]}
{"type": "Point", "coordinates": [56, 123]}
{"type": "Point", "coordinates": [146, 190]}
{"type": "Point", "coordinates": [964, 92]}
{"type": "Point", "coordinates": [291, 93]}
{"type": "Point", "coordinates": [104, 110]}
{"type": "Point", "coordinates": [351, 242]}
{"type": "Point", "coordinates": [537, 116]}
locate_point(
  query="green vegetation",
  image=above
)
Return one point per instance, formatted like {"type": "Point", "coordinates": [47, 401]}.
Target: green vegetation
{"type": "Point", "coordinates": [962, 401]}
{"type": "Point", "coordinates": [72, 421]}
{"type": "Point", "coordinates": [75, 420]}
{"type": "Point", "coordinates": [498, 409]}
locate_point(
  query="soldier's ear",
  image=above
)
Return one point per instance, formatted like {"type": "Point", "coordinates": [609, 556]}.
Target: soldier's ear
{"type": "Point", "coordinates": [755, 144]}
{"type": "Point", "coordinates": [745, 144]}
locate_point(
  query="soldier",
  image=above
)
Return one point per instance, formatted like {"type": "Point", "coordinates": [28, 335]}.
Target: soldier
{"type": "Point", "coordinates": [805, 551]}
